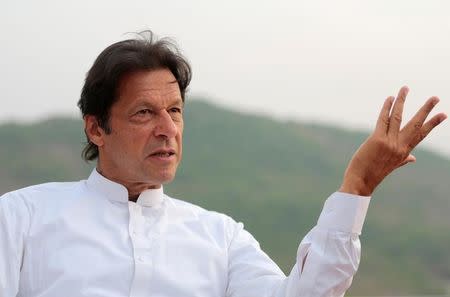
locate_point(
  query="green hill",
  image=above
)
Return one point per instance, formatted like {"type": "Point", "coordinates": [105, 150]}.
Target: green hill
{"type": "Point", "coordinates": [274, 176]}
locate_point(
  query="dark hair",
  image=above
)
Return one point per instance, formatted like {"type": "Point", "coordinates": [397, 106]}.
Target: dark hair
{"type": "Point", "coordinates": [142, 53]}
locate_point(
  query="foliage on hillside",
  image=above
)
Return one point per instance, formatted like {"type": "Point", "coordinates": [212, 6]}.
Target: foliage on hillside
{"type": "Point", "coordinates": [274, 176]}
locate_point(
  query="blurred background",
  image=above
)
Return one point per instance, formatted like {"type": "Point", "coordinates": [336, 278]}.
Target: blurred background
{"type": "Point", "coordinates": [283, 93]}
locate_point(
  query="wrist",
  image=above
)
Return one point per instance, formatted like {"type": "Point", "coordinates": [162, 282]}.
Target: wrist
{"type": "Point", "coordinates": [357, 186]}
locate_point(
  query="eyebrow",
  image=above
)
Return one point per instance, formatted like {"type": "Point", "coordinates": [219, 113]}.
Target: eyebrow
{"type": "Point", "coordinates": [175, 101]}
{"type": "Point", "coordinates": [178, 100]}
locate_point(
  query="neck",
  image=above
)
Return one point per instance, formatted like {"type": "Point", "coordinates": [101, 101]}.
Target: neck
{"type": "Point", "coordinates": [134, 188]}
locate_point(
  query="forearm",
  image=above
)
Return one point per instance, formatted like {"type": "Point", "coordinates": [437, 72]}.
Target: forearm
{"type": "Point", "coordinates": [329, 255]}
{"type": "Point", "coordinates": [327, 258]}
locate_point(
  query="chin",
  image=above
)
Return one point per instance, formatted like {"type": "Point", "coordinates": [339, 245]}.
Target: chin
{"type": "Point", "coordinates": [159, 174]}
{"type": "Point", "coordinates": [164, 178]}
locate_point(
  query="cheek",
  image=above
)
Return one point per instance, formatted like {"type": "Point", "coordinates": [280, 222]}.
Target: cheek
{"type": "Point", "coordinates": [180, 137]}
{"type": "Point", "coordinates": [180, 129]}
{"type": "Point", "coordinates": [131, 139]}
{"type": "Point", "coordinates": [135, 134]}
{"type": "Point", "coordinates": [139, 139]}
{"type": "Point", "coordinates": [179, 140]}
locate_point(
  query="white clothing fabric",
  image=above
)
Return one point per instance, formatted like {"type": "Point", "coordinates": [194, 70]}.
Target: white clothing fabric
{"type": "Point", "coordinates": [85, 239]}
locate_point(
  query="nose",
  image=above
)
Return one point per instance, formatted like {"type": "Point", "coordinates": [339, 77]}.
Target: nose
{"type": "Point", "coordinates": [165, 127]}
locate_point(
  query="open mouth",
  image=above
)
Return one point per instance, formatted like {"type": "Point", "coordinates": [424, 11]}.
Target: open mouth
{"type": "Point", "coordinates": [163, 154]}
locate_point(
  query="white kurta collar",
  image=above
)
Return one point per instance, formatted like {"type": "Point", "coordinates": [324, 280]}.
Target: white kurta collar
{"type": "Point", "coordinates": [117, 192]}
{"type": "Point", "coordinates": [151, 197]}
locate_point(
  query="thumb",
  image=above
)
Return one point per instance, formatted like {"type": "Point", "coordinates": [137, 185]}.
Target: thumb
{"type": "Point", "coordinates": [409, 159]}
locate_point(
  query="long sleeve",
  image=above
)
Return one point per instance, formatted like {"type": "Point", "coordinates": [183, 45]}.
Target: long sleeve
{"type": "Point", "coordinates": [14, 223]}
{"type": "Point", "coordinates": [327, 257]}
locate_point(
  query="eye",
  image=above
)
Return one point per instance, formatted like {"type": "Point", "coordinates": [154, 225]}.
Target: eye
{"type": "Point", "coordinates": [144, 112]}
{"type": "Point", "coordinates": [175, 110]}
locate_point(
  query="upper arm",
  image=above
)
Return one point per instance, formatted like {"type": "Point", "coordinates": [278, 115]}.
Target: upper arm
{"type": "Point", "coordinates": [251, 272]}
{"type": "Point", "coordinates": [14, 225]}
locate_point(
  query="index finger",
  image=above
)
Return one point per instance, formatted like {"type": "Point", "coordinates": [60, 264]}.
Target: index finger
{"type": "Point", "coordinates": [395, 120]}
{"type": "Point", "coordinates": [383, 119]}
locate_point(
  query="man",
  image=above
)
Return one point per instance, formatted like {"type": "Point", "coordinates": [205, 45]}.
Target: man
{"type": "Point", "coordinates": [118, 234]}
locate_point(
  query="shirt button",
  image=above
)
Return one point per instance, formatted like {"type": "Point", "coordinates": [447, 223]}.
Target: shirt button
{"type": "Point", "coordinates": [141, 259]}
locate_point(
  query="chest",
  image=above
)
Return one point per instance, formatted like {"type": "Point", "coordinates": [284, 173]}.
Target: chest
{"type": "Point", "coordinates": [122, 252]}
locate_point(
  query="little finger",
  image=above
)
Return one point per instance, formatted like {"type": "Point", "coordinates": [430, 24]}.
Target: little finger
{"type": "Point", "coordinates": [413, 127]}
{"type": "Point", "coordinates": [426, 129]}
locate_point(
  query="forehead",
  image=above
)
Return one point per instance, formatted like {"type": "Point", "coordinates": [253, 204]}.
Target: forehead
{"type": "Point", "coordinates": [155, 86]}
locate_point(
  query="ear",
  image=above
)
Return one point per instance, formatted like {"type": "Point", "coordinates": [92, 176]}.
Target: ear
{"type": "Point", "coordinates": [93, 131]}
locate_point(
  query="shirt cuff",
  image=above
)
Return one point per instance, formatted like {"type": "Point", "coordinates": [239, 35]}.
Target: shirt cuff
{"type": "Point", "coordinates": [344, 212]}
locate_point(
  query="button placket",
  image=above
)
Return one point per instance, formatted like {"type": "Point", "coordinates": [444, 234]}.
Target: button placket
{"type": "Point", "coordinates": [142, 266]}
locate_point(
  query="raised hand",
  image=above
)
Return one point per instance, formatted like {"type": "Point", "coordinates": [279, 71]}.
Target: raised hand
{"type": "Point", "coordinates": [388, 147]}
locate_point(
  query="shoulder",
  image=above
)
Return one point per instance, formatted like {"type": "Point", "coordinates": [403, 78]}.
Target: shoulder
{"type": "Point", "coordinates": [42, 190]}
{"type": "Point", "coordinates": [194, 210]}
{"type": "Point", "coordinates": [32, 196]}
{"type": "Point", "coordinates": [215, 222]}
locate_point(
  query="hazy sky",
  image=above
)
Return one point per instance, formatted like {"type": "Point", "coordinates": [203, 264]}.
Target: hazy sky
{"type": "Point", "coordinates": [327, 61]}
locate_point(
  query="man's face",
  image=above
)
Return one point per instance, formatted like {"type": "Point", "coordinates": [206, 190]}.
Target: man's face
{"type": "Point", "coordinates": [145, 144]}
